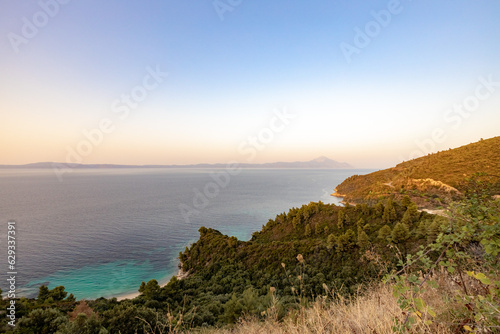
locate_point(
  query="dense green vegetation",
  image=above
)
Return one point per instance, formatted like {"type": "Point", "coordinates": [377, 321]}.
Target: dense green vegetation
{"type": "Point", "coordinates": [429, 179]}
{"type": "Point", "coordinates": [331, 240]}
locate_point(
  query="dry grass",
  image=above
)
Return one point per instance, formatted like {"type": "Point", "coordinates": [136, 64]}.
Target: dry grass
{"type": "Point", "coordinates": [370, 313]}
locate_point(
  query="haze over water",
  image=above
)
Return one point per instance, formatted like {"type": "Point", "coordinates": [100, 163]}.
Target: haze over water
{"type": "Point", "coordinates": [103, 232]}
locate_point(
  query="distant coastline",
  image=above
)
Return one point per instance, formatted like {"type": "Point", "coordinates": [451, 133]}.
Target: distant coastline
{"type": "Point", "coordinates": [319, 163]}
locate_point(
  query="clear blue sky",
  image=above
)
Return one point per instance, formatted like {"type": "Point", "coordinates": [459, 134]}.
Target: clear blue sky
{"type": "Point", "coordinates": [229, 71]}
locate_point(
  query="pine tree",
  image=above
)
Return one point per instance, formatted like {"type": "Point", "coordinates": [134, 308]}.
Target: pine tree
{"type": "Point", "coordinates": [422, 228]}
{"type": "Point", "coordinates": [400, 233]}
{"type": "Point", "coordinates": [433, 231]}
{"type": "Point", "coordinates": [346, 240]}
{"type": "Point", "coordinates": [305, 214]}
{"type": "Point", "coordinates": [363, 240]}
{"type": "Point", "coordinates": [340, 223]}
{"type": "Point", "coordinates": [384, 234]}
{"type": "Point", "coordinates": [317, 229]}
{"type": "Point", "coordinates": [389, 213]}
{"type": "Point", "coordinates": [330, 242]}
{"type": "Point", "coordinates": [43, 293]}
{"type": "Point", "coordinates": [406, 201]}
{"type": "Point", "coordinates": [340, 243]}
{"type": "Point", "coordinates": [307, 232]}
{"type": "Point", "coordinates": [58, 293]}
{"type": "Point", "coordinates": [350, 236]}
{"type": "Point", "coordinates": [411, 215]}
{"type": "Point", "coordinates": [151, 289]}
{"type": "Point", "coordinates": [365, 209]}
{"type": "Point", "coordinates": [379, 209]}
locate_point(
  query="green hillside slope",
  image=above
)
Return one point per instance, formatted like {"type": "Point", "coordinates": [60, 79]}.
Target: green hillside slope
{"type": "Point", "coordinates": [229, 278]}
{"type": "Point", "coordinates": [428, 178]}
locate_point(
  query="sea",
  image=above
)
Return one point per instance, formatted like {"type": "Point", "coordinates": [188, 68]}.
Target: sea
{"type": "Point", "coordinates": [101, 232]}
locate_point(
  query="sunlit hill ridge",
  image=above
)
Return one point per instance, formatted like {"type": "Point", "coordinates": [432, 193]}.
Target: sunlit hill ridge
{"type": "Point", "coordinates": [427, 178]}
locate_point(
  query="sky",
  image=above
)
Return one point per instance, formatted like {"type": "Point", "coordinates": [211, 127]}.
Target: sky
{"type": "Point", "coordinates": [371, 83]}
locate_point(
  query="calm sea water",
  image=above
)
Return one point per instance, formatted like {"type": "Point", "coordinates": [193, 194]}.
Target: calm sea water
{"type": "Point", "coordinates": [103, 232]}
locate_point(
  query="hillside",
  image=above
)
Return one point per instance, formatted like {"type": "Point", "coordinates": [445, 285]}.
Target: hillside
{"type": "Point", "coordinates": [295, 256]}
{"type": "Point", "coordinates": [439, 175]}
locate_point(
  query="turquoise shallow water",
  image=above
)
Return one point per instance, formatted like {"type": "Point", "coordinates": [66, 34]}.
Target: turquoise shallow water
{"type": "Point", "coordinates": [116, 278]}
{"type": "Point", "coordinates": [103, 232]}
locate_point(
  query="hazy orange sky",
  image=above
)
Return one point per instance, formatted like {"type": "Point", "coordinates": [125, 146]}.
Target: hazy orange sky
{"type": "Point", "coordinates": [368, 83]}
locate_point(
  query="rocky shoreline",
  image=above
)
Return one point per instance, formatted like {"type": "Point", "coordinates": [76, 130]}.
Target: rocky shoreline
{"type": "Point", "coordinates": [181, 274]}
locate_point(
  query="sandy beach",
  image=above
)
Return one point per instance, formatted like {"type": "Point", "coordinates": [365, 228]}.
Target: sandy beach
{"type": "Point", "coordinates": [180, 275]}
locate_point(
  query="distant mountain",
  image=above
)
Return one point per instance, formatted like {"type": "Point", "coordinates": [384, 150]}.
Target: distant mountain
{"type": "Point", "coordinates": [319, 163]}
{"type": "Point", "coordinates": [439, 175]}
